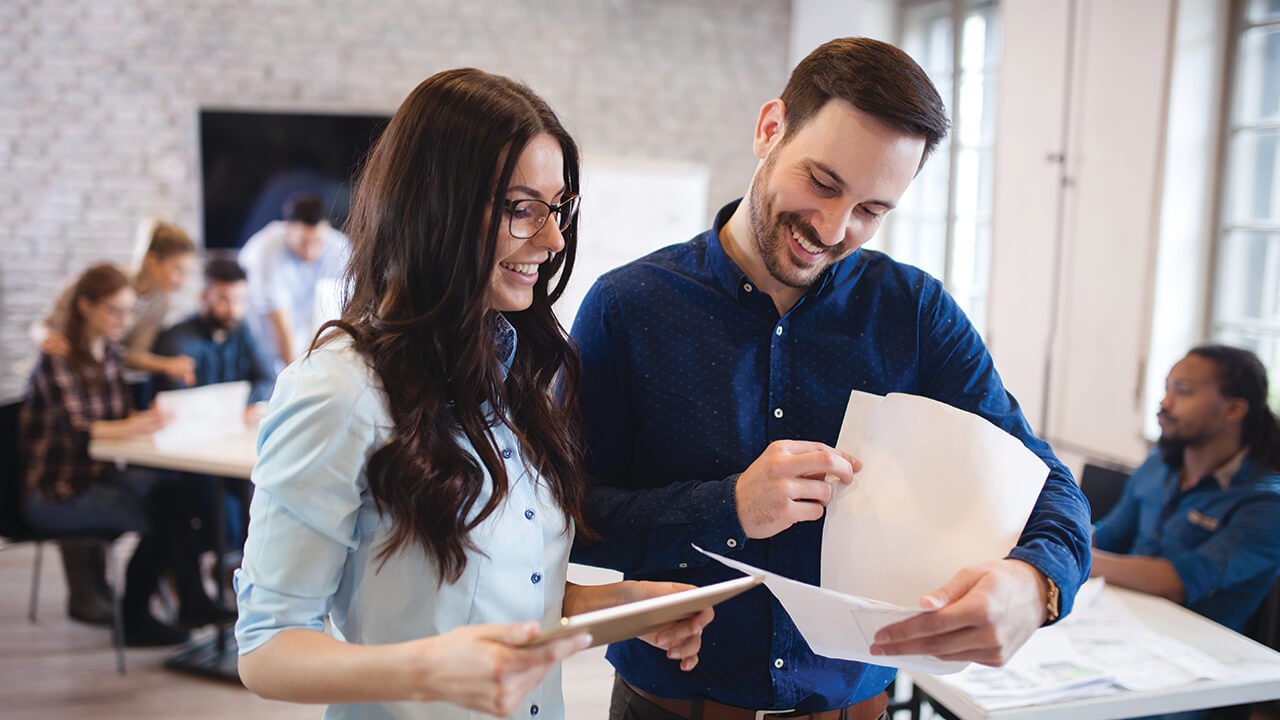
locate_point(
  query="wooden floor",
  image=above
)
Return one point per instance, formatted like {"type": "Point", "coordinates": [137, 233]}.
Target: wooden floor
{"type": "Point", "coordinates": [58, 668]}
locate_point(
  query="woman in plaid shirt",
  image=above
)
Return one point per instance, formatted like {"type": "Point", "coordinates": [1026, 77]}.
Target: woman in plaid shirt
{"type": "Point", "coordinates": [82, 394]}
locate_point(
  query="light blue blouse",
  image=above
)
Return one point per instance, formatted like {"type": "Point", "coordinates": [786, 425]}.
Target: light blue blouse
{"type": "Point", "coordinates": [314, 535]}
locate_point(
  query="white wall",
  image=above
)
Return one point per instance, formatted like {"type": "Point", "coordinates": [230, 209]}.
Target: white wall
{"type": "Point", "coordinates": [1083, 249]}
{"type": "Point", "coordinates": [814, 22]}
{"type": "Point", "coordinates": [99, 100]}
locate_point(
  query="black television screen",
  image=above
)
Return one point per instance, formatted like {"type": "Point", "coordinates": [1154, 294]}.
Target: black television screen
{"type": "Point", "coordinates": [251, 161]}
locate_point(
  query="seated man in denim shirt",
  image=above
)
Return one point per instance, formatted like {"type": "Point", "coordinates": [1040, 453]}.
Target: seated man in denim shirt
{"type": "Point", "coordinates": [216, 337]}
{"type": "Point", "coordinates": [1197, 522]}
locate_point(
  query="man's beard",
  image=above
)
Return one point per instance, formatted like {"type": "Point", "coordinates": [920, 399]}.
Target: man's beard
{"type": "Point", "coordinates": [1171, 449]}
{"type": "Point", "coordinates": [773, 244]}
{"type": "Point", "coordinates": [223, 324]}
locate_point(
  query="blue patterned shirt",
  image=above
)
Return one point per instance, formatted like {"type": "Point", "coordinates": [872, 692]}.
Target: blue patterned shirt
{"type": "Point", "coordinates": [689, 373]}
{"type": "Point", "coordinates": [1222, 540]}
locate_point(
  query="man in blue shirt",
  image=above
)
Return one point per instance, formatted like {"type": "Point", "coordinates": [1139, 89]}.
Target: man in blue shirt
{"type": "Point", "coordinates": [223, 348]}
{"type": "Point", "coordinates": [1197, 521]}
{"type": "Point", "coordinates": [715, 375]}
{"type": "Point", "coordinates": [216, 336]}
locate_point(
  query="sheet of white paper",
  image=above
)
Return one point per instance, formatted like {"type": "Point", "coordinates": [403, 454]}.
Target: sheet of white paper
{"type": "Point", "coordinates": [841, 626]}
{"type": "Point", "coordinates": [939, 489]}
{"type": "Point", "coordinates": [201, 413]}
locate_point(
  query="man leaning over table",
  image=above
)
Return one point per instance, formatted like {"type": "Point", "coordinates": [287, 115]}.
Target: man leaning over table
{"type": "Point", "coordinates": [715, 377]}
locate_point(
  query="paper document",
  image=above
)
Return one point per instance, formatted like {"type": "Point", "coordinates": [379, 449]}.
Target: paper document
{"type": "Point", "coordinates": [840, 626]}
{"type": "Point", "coordinates": [940, 489]}
{"type": "Point", "coordinates": [201, 413]}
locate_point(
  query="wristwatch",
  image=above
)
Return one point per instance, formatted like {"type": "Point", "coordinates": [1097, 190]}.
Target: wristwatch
{"type": "Point", "coordinates": [1053, 601]}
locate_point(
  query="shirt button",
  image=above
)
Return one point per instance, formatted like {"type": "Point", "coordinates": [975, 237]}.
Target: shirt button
{"type": "Point", "coordinates": [731, 542]}
{"type": "Point", "coordinates": [747, 287]}
{"type": "Point", "coordinates": [778, 663]}
{"type": "Point", "coordinates": [533, 710]}
{"type": "Point", "coordinates": [536, 578]}
{"type": "Point", "coordinates": [777, 412]}
{"type": "Point", "coordinates": [528, 514]}
{"type": "Point", "coordinates": [777, 330]}
{"type": "Point", "coordinates": [506, 453]}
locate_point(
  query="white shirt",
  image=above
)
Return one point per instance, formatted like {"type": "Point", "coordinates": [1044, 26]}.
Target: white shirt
{"type": "Point", "coordinates": [314, 534]}
{"type": "Point", "coordinates": [279, 280]}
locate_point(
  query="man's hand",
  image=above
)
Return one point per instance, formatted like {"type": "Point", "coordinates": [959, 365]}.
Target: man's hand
{"type": "Point", "coordinates": [180, 368]}
{"type": "Point", "coordinates": [985, 613]}
{"type": "Point", "coordinates": [788, 484]}
{"type": "Point", "coordinates": [681, 639]}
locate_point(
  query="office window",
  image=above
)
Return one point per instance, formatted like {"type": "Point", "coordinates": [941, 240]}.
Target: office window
{"type": "Point", "coordinates": [1246, 302]}
{"type": "Point", "coordinates": [943, 224]}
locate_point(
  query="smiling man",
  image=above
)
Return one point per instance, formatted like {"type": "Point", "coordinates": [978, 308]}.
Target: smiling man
{"type": "Point", "coordinates": [1197, 521]}
{"type": "Point", "coordinates": [715, 375]}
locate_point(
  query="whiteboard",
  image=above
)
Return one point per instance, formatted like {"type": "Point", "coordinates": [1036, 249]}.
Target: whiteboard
{"type": "Point", "coordinates": [631, 207]}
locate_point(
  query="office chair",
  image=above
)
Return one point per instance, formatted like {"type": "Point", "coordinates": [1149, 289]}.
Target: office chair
{"type": "Point", "coordinates": [14, 528]}
{"type": "Point", "coordinates": [1102, 485]}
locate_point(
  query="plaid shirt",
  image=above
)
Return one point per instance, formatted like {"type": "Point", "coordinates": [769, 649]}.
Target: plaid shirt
{"type": "Point", "coordinates": [56, 417]}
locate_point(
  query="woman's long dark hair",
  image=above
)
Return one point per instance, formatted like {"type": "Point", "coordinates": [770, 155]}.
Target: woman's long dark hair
{"type": "Point", "coordinates": [1242, 375]}
{"type": "Point", "coordinates": [94, 285]}
{"type": "Point", "coordinates": [424, 225]}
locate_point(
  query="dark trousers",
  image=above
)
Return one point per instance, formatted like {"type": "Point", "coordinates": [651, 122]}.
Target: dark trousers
{"type": "Point", "coordinates": [626, 704]}
{"type": "Point", "coordinates": [159, 506]}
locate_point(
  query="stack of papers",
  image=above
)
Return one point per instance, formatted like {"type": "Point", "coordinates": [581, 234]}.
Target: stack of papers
{"type": "Point", "coordinates": [1101, 648]}
{"type": "Point", "coordinates": [199, 414]}
{"type": "Point", "coordinates": [1106, 633]}
{"type": "Point", "coordinates": [1046, 670]}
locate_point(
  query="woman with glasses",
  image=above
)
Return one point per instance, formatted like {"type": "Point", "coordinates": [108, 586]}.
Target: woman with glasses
{"type": "Point", "coordinates": [80, 395]}
{"type": "Point", "coordinates": [418, 484]}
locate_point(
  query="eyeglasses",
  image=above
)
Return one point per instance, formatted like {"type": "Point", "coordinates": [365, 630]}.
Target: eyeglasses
{"type": "Point", "coordinates": [527, 216]}
{"type": "Point", "coordinates": [116, 312]}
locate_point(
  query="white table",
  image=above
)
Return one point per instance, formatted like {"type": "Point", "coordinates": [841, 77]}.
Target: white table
{"type": "Point", "coordinates": [225, 456]}
{"type": "Point", "coordinates": [1255, 678]}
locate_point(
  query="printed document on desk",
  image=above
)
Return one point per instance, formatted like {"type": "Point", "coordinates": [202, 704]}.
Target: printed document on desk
{"type": "Point", "coordinates": [940, 489]}
{"type": "Point", "coordinates": [200, 413]}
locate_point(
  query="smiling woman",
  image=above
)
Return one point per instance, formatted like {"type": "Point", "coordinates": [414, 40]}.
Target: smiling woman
{"type": "Point", "coordinates": [415, 457]}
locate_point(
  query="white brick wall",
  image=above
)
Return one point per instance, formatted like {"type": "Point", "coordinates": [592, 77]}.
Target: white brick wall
{"type": "Point", "coordinates": [99, 99]}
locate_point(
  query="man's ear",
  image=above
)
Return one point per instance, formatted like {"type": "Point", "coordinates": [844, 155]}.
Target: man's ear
{"type": "Point", "coordinates": [1235, 410]}
{"type": "Point", "coordinates": [770, 127]}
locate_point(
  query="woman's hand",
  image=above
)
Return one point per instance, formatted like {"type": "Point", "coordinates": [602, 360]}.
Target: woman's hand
{"type": "Point", "coordinates": [56, 344]}
{"type": "Point", "coordinates": [484, 667]}
{"type": "Point", "coordinates": [146, 422]}
{"type": "Point", "coordinates": [681, 639]}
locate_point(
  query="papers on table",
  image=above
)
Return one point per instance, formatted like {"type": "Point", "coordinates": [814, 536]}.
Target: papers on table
{"type": "Point", "coordinates": [1046, 670]}
{"type": "Point", "coordinates": [939, 489]}
{"type": "Point", "coordinates": [1101, 648]}
{"type": "Point", "coordinates": [201, 413]}
{"type": "Point", "coordinates": [1108, 634]}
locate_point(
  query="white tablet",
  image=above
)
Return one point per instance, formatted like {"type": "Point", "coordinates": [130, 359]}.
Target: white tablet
{"type": "Point", "coordinates": [629, 620]}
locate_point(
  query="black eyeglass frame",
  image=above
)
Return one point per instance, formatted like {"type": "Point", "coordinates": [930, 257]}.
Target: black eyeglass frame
{"type": "Point", "coordinates": [571, 202]}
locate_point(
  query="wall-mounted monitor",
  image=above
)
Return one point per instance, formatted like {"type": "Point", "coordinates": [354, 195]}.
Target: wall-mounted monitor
{"type": "Point", "coordinates": [251, 161]}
